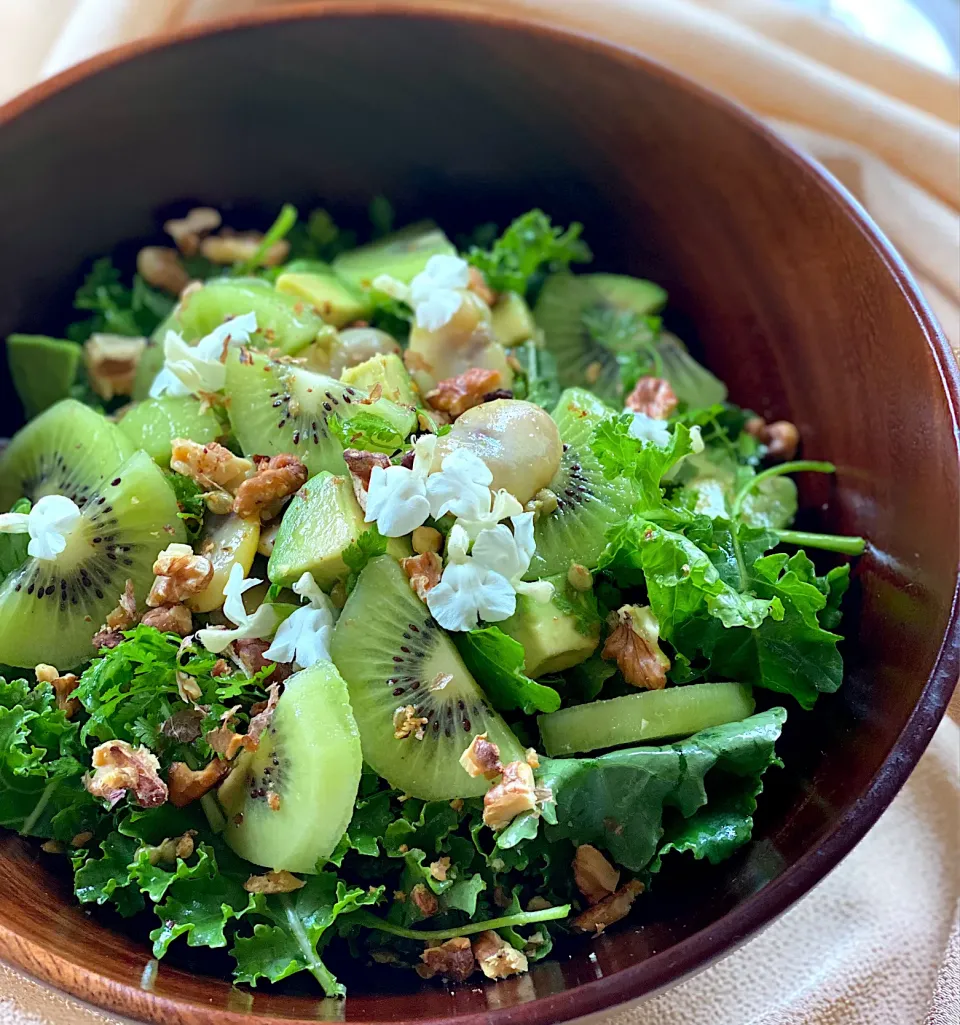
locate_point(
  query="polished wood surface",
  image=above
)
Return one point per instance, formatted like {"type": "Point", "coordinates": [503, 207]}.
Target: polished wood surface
{"type": "Point", "coordinates": [787, 289]}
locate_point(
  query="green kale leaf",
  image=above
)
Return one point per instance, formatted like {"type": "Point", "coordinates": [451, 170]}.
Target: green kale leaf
{"type": "Point", "coordinates": [369, 545]}
{"type": "Point", "coordinates": [496, 662]}
{"type": "Point", "coordinates": [116, 309]}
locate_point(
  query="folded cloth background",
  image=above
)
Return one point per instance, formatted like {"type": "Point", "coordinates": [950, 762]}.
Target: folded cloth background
{"type": "Point", "coordinates": [878, 942]}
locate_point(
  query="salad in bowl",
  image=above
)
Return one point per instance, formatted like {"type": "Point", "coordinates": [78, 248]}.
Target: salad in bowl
{"type": "Point", "coordinates": [405, 601]}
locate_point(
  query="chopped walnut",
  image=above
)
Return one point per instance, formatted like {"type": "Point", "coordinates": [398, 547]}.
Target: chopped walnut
{"type": "Point", "coordinates": [425, 900]}
{"type": "Point", "coordinates": [184, 725]}
{"type": "Point", "coordinates": [579, 577]}
{"type": "Point", "coordinates": [108, 639]}
{"type": "Point", "coordinates": [81, 839]}
{"type": "Point", "coordinates": [167, 852]}
{"type": "Point", "coordinates": [634, 646]}
{"type": "Point", "coordinates": [188, 784]}
{"type": "Point", "coordinates": [111, 362]}
{"type": "Point", "coordinates": [170, 619]}
{"type": "Point", "coordinates": [426, 539]}
{"type": "Point", "coordinates": [274, 882]}
{"type": "Point", "coordinates": [653, 396]}
{"type": "Point", "coordinates": [360, 463]}
{"type": "Point", "coordinates": [261, 717]}
{"type": "Point", "coordinates": [609, 910]}
{"type": "Point", "coordinates": [538, 903]}
{"type": "Point", "coordinates": [186, 232]}
{"type": "Point", "coordinates": [119, 767]}
{"type": "Point", "coordinates": [595, 877]}
{"type": "Point", "coordinates": [232, 247]}
{"type": "Point", "coordinates": [482, 758]}
{"type": "Point", "coordinates": [265, 493]}
{"type": "Point", "coordinates": [63, 686]}
{"type": "Point", "coordinates": [477, 284]}
{"type": "Point", "coordinates": [124, 616]}
{"type": "Point", "coordinates": [423, 572]}
{"type": "Point", "coordinates": [439, 869]}
{"type": "Point", "coordinates": [249, 653]}
{"type": "Point", "coordinates": [212, 466]}
{"type": "Point", "coordinates": [452, 959]}
{"type": "Point", "coordinates": [455, 395]}
{"type": "Point", "coordinates": [225, 742]}
{"type": "Point", "coordinates": [781, 438]}
{"type": "Point", "coordinates": [407, 723]}
{"type": "Point", "coordinates": [532, 758]}
{"type": "Point", "coordinates": [179, 574]}
{"type": "Point", "coordinates": [161, 268]}
{"type": "Point", "coordinates": [514, 794]}
{"type": "Point", "coordinates": [497, 959]}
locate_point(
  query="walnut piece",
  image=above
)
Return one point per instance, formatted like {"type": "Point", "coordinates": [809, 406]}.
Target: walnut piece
{"type": "Point", "coordinates": [184, 725]}
{"type": "Point", "coordinates": [63, 686]}
{"type": "Point", "coordinates": [186, 232]}
{"type": "Point", "coordinates": [261, 716]}
{"type": "Point", "coordinates": [455, 395]}
{"type": "Point", "coordinates": [653, 396]}
{"type": "Point", "coordinates": [407, 723]}
{"type": "Point", "coordinates": [249, 652]}
{"type": "Point", "coordinates": [781, 438]}
{"type": "Point", "coordinates": [497, 959]}
{"type": "Point", "coordinates": [224, 741]}
{"type": "Point", "coordinates": [161, 268]}
{"type": "Point", "coordinates": [188, 784]}
{"type": "Point", "coordinates": [425, 900]}
{"type": "Point", "coordinates": [514, 794]}
{"type": "Point", "coordinates": [609, 910]}
{"type": "Point", "coordinates": [108, 639]}
{"type": "Point", "coordinates": [482, 758]}
{"type": "Point", "coordinates": [595, 877]}
{"type": "Point", "coordinates": [264, 494]}
{"type": "Point", "coordinates": [439, 869]}
{"type": "Point", "coordinates": [167, 851]}
{"type": "Point", "coordinates": [179, 573]}
{"type": "Point", "coordinates": [124, 616]}
{"type": "Point", "coordinates": [231, 247]}
{"type": "Point", "coordinates": [452, 959]}
{"type": "Point", "coordinates": [119, 767]}
{"type": "Point", "coordinates": [477, 283]}
{"type": "Point", "coordinates": [274, 882]}
{"type": "Point", "coordinates": [111, 362]}
{"type": "Point", "coordinates": [170, 619]}
{"type": "Point", "coordinates": [212, 466]}
{"type": "Point", "coordinates": [634, 645]}
{"type": "Point", "coordinates": [423, 572]}
{"type": "Point", "coordinates": [360, 463]}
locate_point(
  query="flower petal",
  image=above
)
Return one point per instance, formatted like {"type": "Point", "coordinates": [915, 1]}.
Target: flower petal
{"type": "Point", "coordinates": [496, 549]}
{"type": "Point", "coordinates": [497, 599]}
{"type": "Point", "coordinates": [396, 500]}
{"type": "Point", "coordinates": [49, 524]}
{"type": "Point", "coordinates": [234, 589]}
{"type": "Point", "coordinates": [261, 624]}
{"type": "Point", "coordinates": [454, 602]}
{"type": "Point", "coordinates": [646, 428]}
{"type": "Point", "coordinates": [539, 590]}
{"type": "Point", "coordinates": [439, 309]}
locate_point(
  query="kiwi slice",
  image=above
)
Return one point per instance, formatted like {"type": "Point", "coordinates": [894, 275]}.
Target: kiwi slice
{"type": "Point", "coordinates": [64, 451]}
{"type": "Point", "coordinates": [573, 309]}
{"type": "Point", "coordinates": [402, 255]}
{"type": "Point", "coordinates": [393, 654]}
{"type": "Point", "coordinates": [49, 610]}
{"type": "Point", "coordinates": [289, 802]}
{"type": "Point", "coordinates": [646, 715]}
{"type": "Point", "coordinates": [277, 407]}
{"type": "Point", "coordinates": [587, 503]}
{"type": "Point", "coordinates": [154, 424]}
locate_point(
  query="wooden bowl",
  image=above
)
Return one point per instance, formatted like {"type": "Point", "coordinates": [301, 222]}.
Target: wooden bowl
{"type": "Point", "coordinates": [792, 293]}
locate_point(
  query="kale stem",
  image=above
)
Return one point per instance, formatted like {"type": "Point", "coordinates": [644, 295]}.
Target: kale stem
{"type": "Point", "coordinates": [828, 542]}
{"type": "Point", "coordinates": [31, 820]}
{"type": "Point", "coordinates": [524, 918]}
{"type": "Point", "coordinates": [286, 219]}
{"type": "Point", "coordinates": [798, 466]}
{"type": "Point", "coordinates": [308, 949]}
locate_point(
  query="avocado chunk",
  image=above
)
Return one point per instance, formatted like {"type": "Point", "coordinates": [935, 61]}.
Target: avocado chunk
{"type": "Point", "coordinates": [402, 255]}
{"type": "Point", "coordinates": [388, 371]}
{"type": "Point", "coordinates": [43, 369]}
{"type": "Point", "coordinates": [513, 321]}
{"type": "Point", "coordinates": [552, 639]}
{"type": "Point", "coordinates": [337, 302]}
{"type": "Point", "coordinates": [153, 424]}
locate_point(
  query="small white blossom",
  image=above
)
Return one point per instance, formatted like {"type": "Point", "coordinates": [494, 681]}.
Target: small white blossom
{"type": "Point", "coordinates": [435, 294]}
{"type": "Point", "coordinates": [509, 554]}
{"type": "Point", "coordinates": [263, 623]}
{"type": "Point", "coordinates": [397, 497]}
{"type": "Point", "coordinates": [462, 486]}
{"type": "Point", "coordinates": [501, 506]}
{"type": "Point", "coordinates": [304, 636]}
{"type": "Point", "coordinates": [696, 440]}
{"type": "Point", "coordinates": [646, 428]}
{"type": "Point", "coordinates": [192, 369]}
{"type": "Point", "coordinates": [49, 523]}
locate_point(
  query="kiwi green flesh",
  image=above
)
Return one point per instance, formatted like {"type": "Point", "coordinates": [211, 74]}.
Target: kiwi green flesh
{"type": "Point", "coordinates": [154, 424]}
{"type": "Point", "coordinates": [393, 654]}
{"type": "Point", "coordinates": [587, 503]}
{"type": "Point", "coordinates": [50, 610]}
{"type": "Point", "coordinates": [644, 716]}
{"type": "Point", "coordinates": [310, 758]}
{"type": "Point", "coordinates": [402, 255]}
{"type": "Point", "coordinates": [43, 369]}
{"type": "Point", "coordinates": [275, 407]}
{"type": "Point", "coordinates": [66, 450]}
{"type": "Point", "coordinates": [692, 383]}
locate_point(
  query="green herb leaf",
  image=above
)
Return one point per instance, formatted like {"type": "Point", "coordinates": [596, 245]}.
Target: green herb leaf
{"type": "Point", "coordinates": [366, 431]}
{"type": "Point", "coordinates": [13, 547]}
{"type": "Point", "coordinates": [192, 507]}
{"type": "Point", "coordinates": [496, 662]}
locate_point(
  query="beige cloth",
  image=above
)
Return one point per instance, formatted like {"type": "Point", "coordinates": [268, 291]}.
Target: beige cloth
{"type": "Point", "coordinates": [878, 942]}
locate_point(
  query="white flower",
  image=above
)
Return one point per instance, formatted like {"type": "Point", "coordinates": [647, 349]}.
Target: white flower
{"type": "Point", "coordinates": [462, 486]}
{"type": "Point", "coordinates": [468, 590]}
{"type": "Point", "coordinates": [501, 505]}
{"type": "Point", "coordinates": [646, 428]}
{"type": "Point", "coordinates": [435, 294]}
{"type": "Point", "coordinates": [49, 523]}
{"type": "Point", "coordinates": [263, 623]}
{"type": "Point", "coordinates": [192, 369]}
{"type": "Point", "coordinates": [304, 636]}
{"type": "Point", "coordinates": [696, 440]}
{"type": "Point", "coordinates": [509, 554]}
{"type": "Point", "coordinates": [397, 497]}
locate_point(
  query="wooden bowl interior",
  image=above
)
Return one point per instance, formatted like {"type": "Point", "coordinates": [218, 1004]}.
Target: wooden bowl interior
{"type": "Point", "coordinates": [773, 276]}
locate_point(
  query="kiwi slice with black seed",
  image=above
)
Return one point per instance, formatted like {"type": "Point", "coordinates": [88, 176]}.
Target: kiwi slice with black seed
{"type": "Point", "coordinates": [50, 609]}
{"type": "Point", "coordinates": [279, 407]}
{"type": "Point", "coordinates": [587, 502]}
{"type": "Point", "coordinates": [64, 451]}
{"type": "Point", "coordinates": [289, 802]}
{"type": "Point", "coordinates": [393, 655]}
